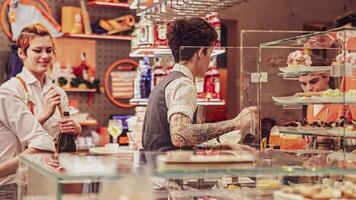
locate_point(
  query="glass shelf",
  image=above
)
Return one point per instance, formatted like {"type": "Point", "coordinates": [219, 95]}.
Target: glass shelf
{"type": "Point", "coordinates": [252, 172]}
{"type": "Point", "coordinates": [36, 162]}
{"type": "Point", "coordinates": [200, 102]}
{"type": "Point", "coordinates": [292, 100]}
{"type": "Point", "coordinates": [318, 131]}
{"type": "Point", "coordinates": [341, 34]}
{"type": "Point", "coordinates": [287, 74]}
{"type": "Point", "coordinates": [154, 51]}
{"type": "Point", "coordinates": [271, 163]}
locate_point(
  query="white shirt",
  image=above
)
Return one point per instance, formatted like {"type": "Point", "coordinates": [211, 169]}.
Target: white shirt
{"type": "Point", "coordinates": [181, 94]}
{"type": "Point", "coordinates": [18, 129]}
{"type": "Point", "coordinates": [317, 109]}
{"type": "Point", "coordinates": [36, 95]}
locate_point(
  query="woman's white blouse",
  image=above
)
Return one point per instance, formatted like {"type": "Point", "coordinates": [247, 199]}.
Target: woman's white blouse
{"type": "Point", "coordinates": [36, 95]}
{"type": "Point", "coordinates": [18, 129]}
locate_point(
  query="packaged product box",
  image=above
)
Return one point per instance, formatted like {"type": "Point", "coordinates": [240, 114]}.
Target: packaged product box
{"type": "Point", "coordinates": [71, 20]}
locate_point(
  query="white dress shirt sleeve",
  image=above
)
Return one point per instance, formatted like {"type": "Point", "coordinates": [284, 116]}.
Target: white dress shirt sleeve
{"type": "Point", "coordinates": [16, 116]}
{"type": "Point", "coordinates": [181, 97]}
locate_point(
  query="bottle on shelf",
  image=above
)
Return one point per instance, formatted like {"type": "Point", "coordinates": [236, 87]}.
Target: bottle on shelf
{"type": "Point", "coordinates": [86, 19]}
{"type": "Point", "coordinates": [212, 81]}
{"type": "Point", "coordinates": [199, 85]}
{"type": "Point", "coordinates": [146, 78]}
{"type": "Point", "coordinates": [160, 33]}
{"type": "Point", "coordinates": [83, 68]}
{"type": "Point", "coordinates": [123, 138]}
{"type": "Point", "coordinates": [145, 33]}
{"type": "Point", "coordinates": [69, 74]}
{"type": "Point", "coordinates": [214, 20]}
{"type": "Point", "coordinates": [159, 72]}
{"type": "Point", "coordinates": [170, 66]}
{"type": "Point", "coordinates": [137, 81]}
{"type": "Point", "coordinates": [134, 41]}
{"type": "Point", "coordinates": [66, 142]}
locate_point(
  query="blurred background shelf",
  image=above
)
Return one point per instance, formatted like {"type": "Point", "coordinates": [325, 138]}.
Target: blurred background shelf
{"type": "Point", "coordinates": [79, 90]}
{"type": "Point", "coordinates": [92, 122]}
{"type": "Point", "coordinates": [108, 4]}
{"type": "Point", "coordinates": [99, 37]}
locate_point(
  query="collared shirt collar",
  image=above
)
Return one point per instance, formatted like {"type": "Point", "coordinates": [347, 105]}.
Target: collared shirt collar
{"type": "Point", "coordinates": [181, 68]}
{"type": "Point", "coordinates": [29, 78]}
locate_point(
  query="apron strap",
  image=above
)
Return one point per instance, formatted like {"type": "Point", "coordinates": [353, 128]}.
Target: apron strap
{"type": "Point", "coordinates": [30, 104]}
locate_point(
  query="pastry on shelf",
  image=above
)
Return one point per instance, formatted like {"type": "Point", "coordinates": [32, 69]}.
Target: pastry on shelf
{"type": "Point", "coordinates": [304, 123]}
{"type": "Point", "coordinates": [309, 94]}
{"type": "Point", "coordinates": [332, 93]}
{"type": "Point", "coordinates": [334, 96]}
{"type": "Point", "coordinates": [350, 93]}
{"type": "Point", "coordinates": [346, 58]}
{"type": "Point", "coordinates": [342, 122]}
{"type": "Point", "coordinates": [326, 93]}
{"type": "Point", "coordinates": [296, 123]}
{"type": "Point", "coordinates": [319, 161]}
{"type": "Point", "coordinates": [298, 59]}
{"type": "Point", "coordinates": [318, 123]}
{"type": "Point", "coordinates": [336, 190]}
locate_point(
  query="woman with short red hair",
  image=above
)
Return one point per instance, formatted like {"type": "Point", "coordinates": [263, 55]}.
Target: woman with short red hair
{"type": "Point", "coordinates": [33, 85]}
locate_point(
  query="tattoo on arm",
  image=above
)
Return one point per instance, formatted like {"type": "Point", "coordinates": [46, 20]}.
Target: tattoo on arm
{"type": "Point", "coordinates": [184, 133]}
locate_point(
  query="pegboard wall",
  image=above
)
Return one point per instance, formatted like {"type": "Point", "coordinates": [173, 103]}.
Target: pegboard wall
{"type": "Point", "coordinates": [107, 52]}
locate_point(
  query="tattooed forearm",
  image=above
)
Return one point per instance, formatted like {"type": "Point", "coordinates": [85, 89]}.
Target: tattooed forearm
{"type": "Point", "coordinates": [184, 133]}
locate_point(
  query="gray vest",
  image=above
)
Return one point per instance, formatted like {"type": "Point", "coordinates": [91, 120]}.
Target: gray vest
{"type": "Point", "coordinates": [156, 129]}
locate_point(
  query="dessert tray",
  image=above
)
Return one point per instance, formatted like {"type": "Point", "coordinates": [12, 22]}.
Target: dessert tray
{"type": "Point", "coordinates": [105, 150]}
{"type": "Point", "coordinates": [292, 100]}
{"type": "Point", "coordinates": [304, 69]}
{"type": "Point", "coordinates": [341, 156]}
{"type": "Point", "coordinates": [319, 131]}
{"type": "Point", "coordinates": [330, 96]}
{"type": "Point", "coordinates": [199, 159]}
{"type": "Point", "coordinates": [340, 132]}
{"type": "Point", "coordinates": [328, 190]}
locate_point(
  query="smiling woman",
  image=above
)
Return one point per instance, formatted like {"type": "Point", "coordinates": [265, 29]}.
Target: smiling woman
{"type": "Point", "coordinates": [34, 85]}
{"type": "Point", "coordinates": [36, 49]}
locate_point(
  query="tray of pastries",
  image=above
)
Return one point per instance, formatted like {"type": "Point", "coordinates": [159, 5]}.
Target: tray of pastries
{"type": "Point", "coordinates": [332, 96]}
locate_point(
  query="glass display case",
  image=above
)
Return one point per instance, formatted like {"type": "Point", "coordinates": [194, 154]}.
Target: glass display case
{"type": "Point", "coordinates": [273, 174]}
{"type": "Point", "coordinates": [303, 152]}
{"type": "Point", "coordinates": [309, 95]}
{"type": "Point", "coordinates": [315, 85]}
{"type": "Point", "coordinates": [297, 159]}
{"type": "Point", "coordinates": [216, 174]}
{"type": "Point", "coordinates": [80, 176]}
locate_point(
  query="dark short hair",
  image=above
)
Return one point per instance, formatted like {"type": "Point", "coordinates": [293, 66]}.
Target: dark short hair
{"type": "Point", "coordinates": [348, 18]}
{"type": "Point", "coordinates": [194, 32]}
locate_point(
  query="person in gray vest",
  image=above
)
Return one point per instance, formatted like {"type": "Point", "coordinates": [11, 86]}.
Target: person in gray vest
{"type": "Point", "coordinates": [171, 111]}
